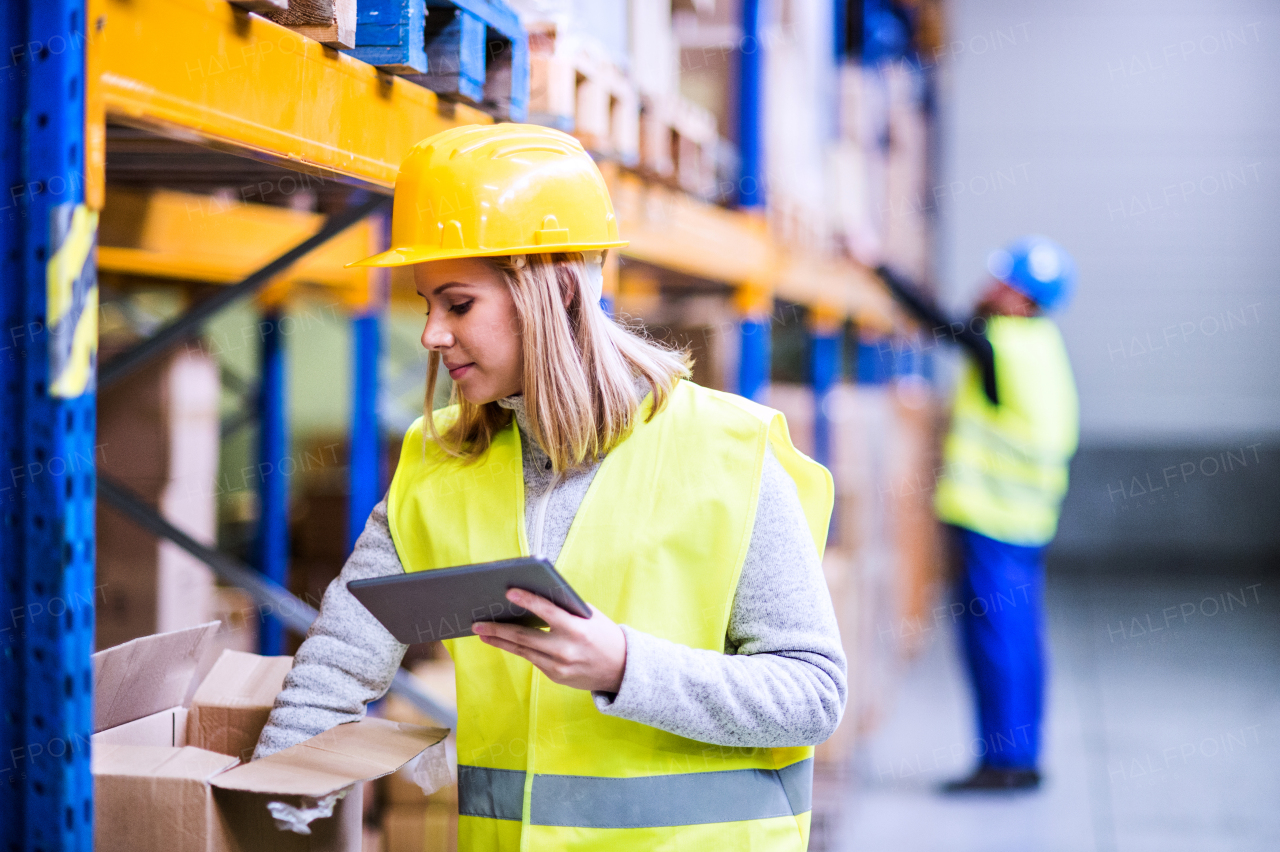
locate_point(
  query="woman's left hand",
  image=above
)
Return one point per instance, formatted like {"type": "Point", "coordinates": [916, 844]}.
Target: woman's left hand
{"type": "Point", "coordinates": [584, 653]}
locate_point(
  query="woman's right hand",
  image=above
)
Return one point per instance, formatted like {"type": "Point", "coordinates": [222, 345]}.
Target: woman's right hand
{"type": "Point", "coordinates": [584, 653]}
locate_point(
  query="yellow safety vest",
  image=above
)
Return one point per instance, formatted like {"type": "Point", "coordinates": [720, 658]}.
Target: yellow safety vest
{"type": "Point", "coordinates": [1005, 466]}
{"type": "Point", "coordinates": [658, 544]}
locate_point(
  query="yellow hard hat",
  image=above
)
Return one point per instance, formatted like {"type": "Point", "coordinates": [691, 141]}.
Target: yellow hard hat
{"type": "Point", "coordinates": [486, 190]}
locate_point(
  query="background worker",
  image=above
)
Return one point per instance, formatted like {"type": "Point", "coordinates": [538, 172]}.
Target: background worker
{"type": "Point", "coordinates": [1014, 428]}
{"type": "Point", "coordinates": [683, 712]}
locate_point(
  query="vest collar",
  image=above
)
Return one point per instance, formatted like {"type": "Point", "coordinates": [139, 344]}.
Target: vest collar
{"type": "Point", "coordinates": [516, 405]}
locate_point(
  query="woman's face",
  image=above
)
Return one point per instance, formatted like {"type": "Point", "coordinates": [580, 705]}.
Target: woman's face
{"type": "Point", "coordinates": [472, 323]}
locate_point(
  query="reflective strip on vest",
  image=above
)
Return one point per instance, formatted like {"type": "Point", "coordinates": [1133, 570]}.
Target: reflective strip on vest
{"type": "Point", "coordinates": [490, 793]}
{"type": "Point", "coordinates": [649, 801]}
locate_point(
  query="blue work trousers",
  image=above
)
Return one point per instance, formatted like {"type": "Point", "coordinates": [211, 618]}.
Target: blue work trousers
{"type": "Point", "coordinates": [1002, 629]}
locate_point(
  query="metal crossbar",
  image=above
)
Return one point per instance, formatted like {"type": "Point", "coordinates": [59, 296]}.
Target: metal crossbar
{"type": "Point", "coordinates": [295, 613]}
{"type": "Point", "coordinates": [191, 321]}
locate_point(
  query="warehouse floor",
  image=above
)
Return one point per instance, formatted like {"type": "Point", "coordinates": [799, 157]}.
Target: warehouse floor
{"type": "Point", "coordinates": [1163, 731]}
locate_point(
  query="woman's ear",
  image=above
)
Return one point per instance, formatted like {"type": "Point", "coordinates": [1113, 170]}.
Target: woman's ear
{"type": "Point", "coordinates": [568, 283]}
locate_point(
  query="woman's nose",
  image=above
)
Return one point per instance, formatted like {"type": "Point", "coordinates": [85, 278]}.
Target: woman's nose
{"type": "Point", "coordinates": [435, 335]}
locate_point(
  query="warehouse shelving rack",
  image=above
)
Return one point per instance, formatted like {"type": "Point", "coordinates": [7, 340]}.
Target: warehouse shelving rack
{"type": "Point", "coordinates": [210, 73]}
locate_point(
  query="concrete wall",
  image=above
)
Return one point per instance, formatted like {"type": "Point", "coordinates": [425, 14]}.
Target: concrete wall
{"type": "Point", "coordinates": [1145, 136]}
{"type": "Point", "coordinates": [1198, 501]}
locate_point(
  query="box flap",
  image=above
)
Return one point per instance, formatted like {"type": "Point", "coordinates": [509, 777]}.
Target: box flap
{"type": "Point", "coordinates": [146, 675]}
{"type": "Point", "coordinates": [159, 762]}
{"type": "Point", "coordinates": [238, 679]}
{"type": "Point", "coordinates": [166, 728]}
{"type": "Point", "coordinates": [338, 758]}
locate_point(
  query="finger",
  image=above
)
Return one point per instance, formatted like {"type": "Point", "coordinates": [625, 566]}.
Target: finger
{"type": "Point", "coordinates": [553, 615]}
{"type": "Point", "coordinates": [538, 658]}
{"type": "Point", "coordinates": [528, 637]}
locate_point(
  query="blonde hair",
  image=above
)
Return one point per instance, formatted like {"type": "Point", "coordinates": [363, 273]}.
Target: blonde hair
{"type": "Point", "coordinates": [581, 369]}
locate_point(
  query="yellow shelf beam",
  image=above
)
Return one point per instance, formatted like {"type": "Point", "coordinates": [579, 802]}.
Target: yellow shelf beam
{"type": "Point", "coordinates": [835, 287]}
{"type": "Point", "coordinates": [671, 229]}
{"type": "Point", "coordinates": [212, 73]}
{"type": "Point", "coordinates": [187, 237]}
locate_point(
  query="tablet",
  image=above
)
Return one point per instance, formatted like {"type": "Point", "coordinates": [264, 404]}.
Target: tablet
{"type": "Point", "coordinates": [426, 606]}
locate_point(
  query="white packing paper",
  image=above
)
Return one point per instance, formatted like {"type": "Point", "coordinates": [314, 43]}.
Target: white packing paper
{"type": "Point", "coordinates": [431, 770]}
{"type": "Point", "coordinates": [298, 819]}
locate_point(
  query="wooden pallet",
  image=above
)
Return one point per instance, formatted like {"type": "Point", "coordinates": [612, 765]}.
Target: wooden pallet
{"type": "Point", "coordinates": [800, 226]}
{"type": "Point", "coordinates": [583, 93]}
{"type": "Point", "coordinates": [261, 5]}
{"type": "Point", "coordinates": [678, 142]}
{"type": "Point", "coordinates": [552, 80]}
{"type": "Point", "coordinates": [330, 22]}
{"type": "Point", "coordinates": [607, 117]}
{"type": "Point", "coordinates": [469, 50]}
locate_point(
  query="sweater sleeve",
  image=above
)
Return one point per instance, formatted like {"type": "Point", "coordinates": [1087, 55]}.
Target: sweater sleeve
{"type": "Point", "coordinates": [348, 658]}
{"type": "Point", "coordinates": [781, 680]}
{"type": "Point", "coordinates": [928, 313]}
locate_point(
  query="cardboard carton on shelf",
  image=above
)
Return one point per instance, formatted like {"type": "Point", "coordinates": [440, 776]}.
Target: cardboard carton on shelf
{"type": "Point", "coordinates": [240, 617]}
{"type": "Point", "coordinates": [154, 791]}
{"type": "Point", "coordinates": [420, 828]}
{"type": "Point", "coordinates": [158, 434]}
{"type": "Point", "coordinates": [836, 568]}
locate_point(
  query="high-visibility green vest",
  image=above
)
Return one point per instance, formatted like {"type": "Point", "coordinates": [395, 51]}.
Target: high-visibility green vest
{"type": "Point", "coordinates": [658, 544]}
{"type": "Point", "coordinates": [1005, 466]}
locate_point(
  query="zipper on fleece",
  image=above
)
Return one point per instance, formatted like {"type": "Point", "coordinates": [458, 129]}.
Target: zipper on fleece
{"type": "Point", "coordinates": [540, 516]}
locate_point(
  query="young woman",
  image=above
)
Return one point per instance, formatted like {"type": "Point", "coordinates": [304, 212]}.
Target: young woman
{"type": "Point", "coordinates": [683, 712]}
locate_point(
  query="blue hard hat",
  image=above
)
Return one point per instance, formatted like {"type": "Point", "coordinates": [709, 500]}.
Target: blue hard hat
{"type": "Point", "coordinates": [1038, 268]}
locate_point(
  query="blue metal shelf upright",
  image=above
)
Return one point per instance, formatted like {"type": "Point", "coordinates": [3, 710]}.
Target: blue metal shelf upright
{"type": "Point", "coordinates": [47, 377]}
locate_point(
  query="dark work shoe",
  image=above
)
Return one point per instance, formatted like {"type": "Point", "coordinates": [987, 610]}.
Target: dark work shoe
{"type": "Point", "coordinates": [995, 778]}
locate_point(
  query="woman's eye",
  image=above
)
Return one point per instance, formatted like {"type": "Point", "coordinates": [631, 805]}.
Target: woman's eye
{"type": "Point", "coordinates": [462, 307]}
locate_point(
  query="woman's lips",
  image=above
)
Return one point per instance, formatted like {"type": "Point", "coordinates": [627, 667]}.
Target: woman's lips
{"type": "Point", "coordinates": [458, 372]}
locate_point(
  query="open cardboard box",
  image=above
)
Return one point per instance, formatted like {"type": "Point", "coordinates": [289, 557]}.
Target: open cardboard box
{"type": "Point", "coordinates": [167, 756]}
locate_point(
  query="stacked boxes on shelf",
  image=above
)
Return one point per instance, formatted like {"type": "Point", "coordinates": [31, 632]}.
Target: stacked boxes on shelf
{"type": "Point", "coordinates": [636, 117]}
{"type": "Point", "coordinates": [158, 434]}
{"type": "Point", "coordinates": [917, 535]}
{"type": "Point", "coordinates": [880, 202]}
{"type": "Point", "coordinates": [863, 468]}
{"type": "Point", "coordinates": [884, 559]}
{"type": "Point", "coordinates": [905, 214]}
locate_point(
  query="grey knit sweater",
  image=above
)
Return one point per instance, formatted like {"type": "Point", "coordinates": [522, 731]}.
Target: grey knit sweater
{"type": "Point", "coordinates": [780, 681]}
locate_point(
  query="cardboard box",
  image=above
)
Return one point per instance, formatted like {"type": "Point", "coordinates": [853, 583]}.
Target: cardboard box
{"type": "Point", "coordinates": [156, 798]}
{"type": "Point", "coordinates": [153, 793]}
{"type": "Point", "coordinates": [421, 828]}
{"type": "Point", "coordinates": [231, 705]}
